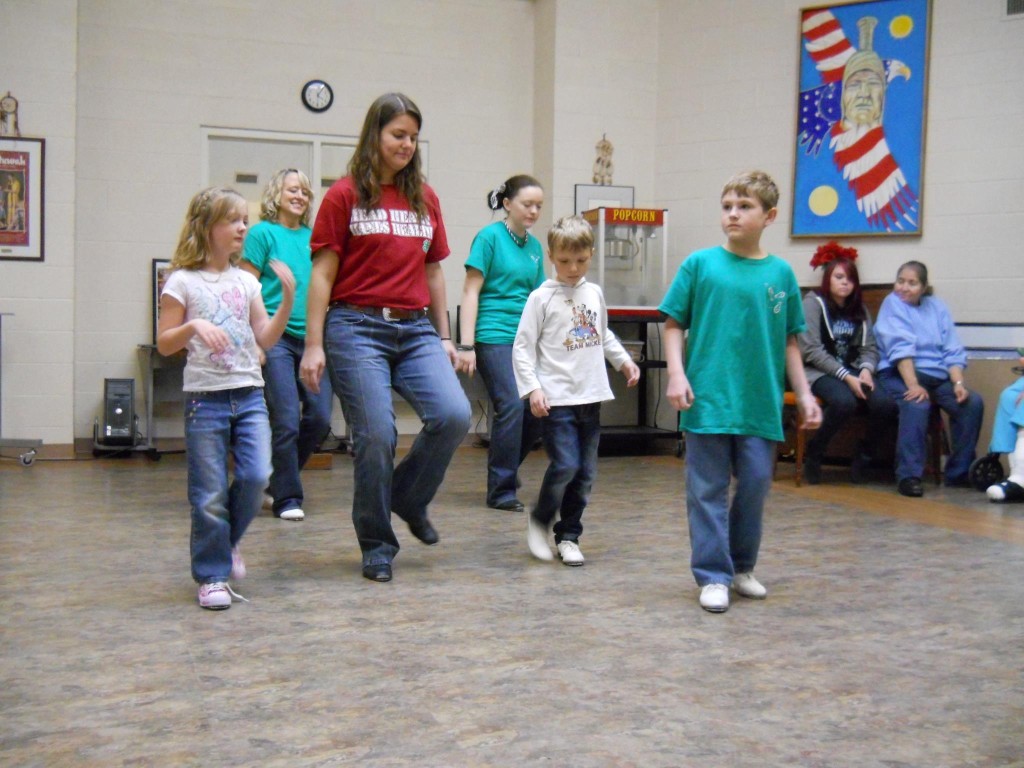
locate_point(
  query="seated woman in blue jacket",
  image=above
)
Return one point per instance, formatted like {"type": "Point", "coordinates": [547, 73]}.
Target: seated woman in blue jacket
{"type": "Point", "coordinates": [922, 361]}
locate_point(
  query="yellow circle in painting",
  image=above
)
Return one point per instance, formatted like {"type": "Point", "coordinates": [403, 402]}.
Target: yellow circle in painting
{"type": "Point", "coordinates": [823, 200]}
{"type": "Point", "coordinates": [901, 26]}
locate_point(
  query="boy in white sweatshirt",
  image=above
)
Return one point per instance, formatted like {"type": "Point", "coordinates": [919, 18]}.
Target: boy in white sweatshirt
{"type": "Point", "coordinates": [558, 357]}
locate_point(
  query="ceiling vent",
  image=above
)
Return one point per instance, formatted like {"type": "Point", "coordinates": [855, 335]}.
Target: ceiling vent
{"type": "Point", "coordinates": [1015, 9]}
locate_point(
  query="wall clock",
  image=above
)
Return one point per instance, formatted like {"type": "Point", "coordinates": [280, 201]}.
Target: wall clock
{"type": "Point", "coordinates": [317, 96]}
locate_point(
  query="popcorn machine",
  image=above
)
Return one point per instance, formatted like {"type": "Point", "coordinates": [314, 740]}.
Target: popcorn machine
{"type": "Point", "coordinates": [631, 254]}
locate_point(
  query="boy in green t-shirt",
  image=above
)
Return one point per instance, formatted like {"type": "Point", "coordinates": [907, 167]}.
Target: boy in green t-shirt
{"type": "Point", "coordinates": [742, 309]}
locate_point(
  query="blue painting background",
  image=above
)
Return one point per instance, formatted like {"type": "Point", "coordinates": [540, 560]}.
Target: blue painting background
{"type": "Point", "coordinates": [902, 119]}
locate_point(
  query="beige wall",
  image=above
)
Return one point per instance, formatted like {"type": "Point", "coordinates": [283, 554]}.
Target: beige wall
{"type": "Point", "coordinates": [728, 101]}
{"type": "Point", "coordinates": [687, 90]}
{"type": "Point", "coordinates": [38, 64]}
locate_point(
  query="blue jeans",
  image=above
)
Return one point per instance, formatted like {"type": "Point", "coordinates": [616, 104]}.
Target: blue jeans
{"type": "Point", "coordinates": [571, 437]}
{"type": "Point", "coordinates": [367, 358]}
{"type": "Point", "coordinates": [725, 538]}
{"type": "Point", "coordinates": [840, 405]}
{"type": "Point", "coordinates": [218, 424]}
{"type": "Point", "coordinates": [912, 439]}
{"type": "Point", "coordinates": [299, 420]}
{"type": "Point", "coordinates": [514, 429]}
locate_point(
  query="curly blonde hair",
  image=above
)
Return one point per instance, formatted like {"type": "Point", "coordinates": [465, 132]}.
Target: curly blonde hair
{"type": "Point", "coordinates": [207, 208]}
{"type": "Point", "coordinates": [271, 200]}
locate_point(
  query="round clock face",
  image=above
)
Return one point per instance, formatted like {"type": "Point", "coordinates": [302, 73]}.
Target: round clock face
{"type": "Point", "coordinates": [317, 95]}
{"type": "Point", "coordinates": [8, 104]}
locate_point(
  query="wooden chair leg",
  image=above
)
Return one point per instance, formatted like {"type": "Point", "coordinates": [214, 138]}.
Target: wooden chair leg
{"type": "Point", "coordinates": [801, 443]}
{"type": "Point", "coordinates": [937, 443]}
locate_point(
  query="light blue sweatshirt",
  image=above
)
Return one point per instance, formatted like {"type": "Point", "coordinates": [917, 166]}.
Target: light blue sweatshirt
{"type": "Point", "coordinates": [924, 332]}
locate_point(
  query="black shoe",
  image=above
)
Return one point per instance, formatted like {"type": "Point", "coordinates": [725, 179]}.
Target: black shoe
{"type": "Point", "coordinates": [812, 470]}
{"type": "Point", "coordinates": [377, 572]}
{"type": "Point", "coordinates": [963, 481]}
{"type": "Point", "coordinates": [911, 486]}
{"type": "Point", "coordinates": [424, 531]}
{"type": "Point", "coordinates": [511, 505]}
{"type": "Point", "coordinates": [859, 468]}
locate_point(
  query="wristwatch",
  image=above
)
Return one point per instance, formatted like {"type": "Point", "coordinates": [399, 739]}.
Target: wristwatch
{"type": "Point", "coordinates": [464, 348]}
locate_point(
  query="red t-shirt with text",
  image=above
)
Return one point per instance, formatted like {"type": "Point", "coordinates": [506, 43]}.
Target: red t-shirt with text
{"type": "Point", "coordinates": [381, 252]}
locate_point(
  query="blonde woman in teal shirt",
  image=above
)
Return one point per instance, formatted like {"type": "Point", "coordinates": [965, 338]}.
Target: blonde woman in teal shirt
{"type": "Point", "coordinates": [299, 419]}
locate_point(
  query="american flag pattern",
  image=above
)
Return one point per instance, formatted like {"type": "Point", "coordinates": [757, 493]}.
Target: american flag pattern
{"type": "Point", "coordinates": [861, 153]}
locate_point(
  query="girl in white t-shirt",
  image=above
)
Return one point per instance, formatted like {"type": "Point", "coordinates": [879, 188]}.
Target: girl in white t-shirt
{"type": "Point", "coordinates": [214, 310]}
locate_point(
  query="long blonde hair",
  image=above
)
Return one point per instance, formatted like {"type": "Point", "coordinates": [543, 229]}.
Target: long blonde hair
{"type": "Point", "coordinates": [208, 207]}
{"type": "Point", "coordinates": [271, 201]}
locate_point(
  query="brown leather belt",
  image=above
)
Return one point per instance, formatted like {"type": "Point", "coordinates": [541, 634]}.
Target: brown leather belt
{"type": "Point", "coordinates": [390, 314]}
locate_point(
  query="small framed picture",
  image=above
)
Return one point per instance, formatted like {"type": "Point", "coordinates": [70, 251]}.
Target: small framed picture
{"type": "Point", "coordinates": [591, 196]}
{"type": "Point", "coordinates": [161, 268]}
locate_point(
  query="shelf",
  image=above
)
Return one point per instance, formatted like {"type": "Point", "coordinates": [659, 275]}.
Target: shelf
{"type": "Point", "coordinates": [634, 438]}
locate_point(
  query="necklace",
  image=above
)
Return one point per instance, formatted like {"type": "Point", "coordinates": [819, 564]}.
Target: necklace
{"type": "Point", "coordinates": [520, 241]}
{"type": "Point", "coordinates": [202, 274]}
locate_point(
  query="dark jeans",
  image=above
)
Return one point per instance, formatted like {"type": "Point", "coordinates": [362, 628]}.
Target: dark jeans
{"type": "Point", "coordinates": [299, 420]}
{"type": "Point", "coordinates": [912, 442]}
{"type": "Point", "coordinates": [840, 405]}
{"type": "Point", "coordinates": [514, 429]}
{"type": "Point", "coordinates": [367, 358]}
{"type": "Point", "coordinates": [571, 437]}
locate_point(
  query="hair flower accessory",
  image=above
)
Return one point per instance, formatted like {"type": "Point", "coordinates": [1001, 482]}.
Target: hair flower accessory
{"type": "Point", "coordinates": [831, 251]}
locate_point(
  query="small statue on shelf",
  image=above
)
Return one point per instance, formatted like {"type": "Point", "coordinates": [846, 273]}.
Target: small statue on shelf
{"type": "Point", "coordinates": [603, 164]}
{"type": "Point", "coordinates": [9, 116]}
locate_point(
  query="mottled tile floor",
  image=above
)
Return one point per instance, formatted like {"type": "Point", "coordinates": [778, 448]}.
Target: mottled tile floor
{"type": "Point", "coordinates": [889, 637]}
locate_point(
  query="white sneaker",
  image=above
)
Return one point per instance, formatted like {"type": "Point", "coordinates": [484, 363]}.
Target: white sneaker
{"type": "Point", "coordinates": [745, 584]}
{"type": "Point", "coordinates": [714, 598]}
{"type": "Point", "coordinates": [268, 502]}
{"type": "Point", "coordinates": [537, 539]}
{"type": "Point", "coordinates": [293, 514]}
{"type": "Point", "coordinates": [214, 596]}
{"type": "Point", "coordinates": [570, 553]}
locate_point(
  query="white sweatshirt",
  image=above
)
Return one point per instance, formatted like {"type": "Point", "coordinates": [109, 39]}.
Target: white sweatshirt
{"type": "Point", "coordinates": [562, 342]}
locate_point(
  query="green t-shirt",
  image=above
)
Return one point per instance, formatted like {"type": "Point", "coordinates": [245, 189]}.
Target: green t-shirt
{"type": "Point", "coordinates": [739, 313]}
{"type": "Point", "coordinates": [510, 273]}
{"type": "Point", "coordinates": [270, 240]}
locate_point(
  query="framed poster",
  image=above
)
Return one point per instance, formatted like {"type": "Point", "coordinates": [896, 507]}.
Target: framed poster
{"type": "Point", "coordinates": [21, 199]}
{"type": "Point", "coordinates": [161, 268]}
{"type": "Point", "coordinates": [591, 196]}
{"type": "Point", "coordinates": [863, 83]}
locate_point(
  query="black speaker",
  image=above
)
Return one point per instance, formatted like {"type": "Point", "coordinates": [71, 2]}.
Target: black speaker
{"type": "Point", "coordinates": [118, 427]}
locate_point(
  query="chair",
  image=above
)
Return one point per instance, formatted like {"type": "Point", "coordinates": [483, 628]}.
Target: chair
{"type": "Point", "coordinates": [938, 442]}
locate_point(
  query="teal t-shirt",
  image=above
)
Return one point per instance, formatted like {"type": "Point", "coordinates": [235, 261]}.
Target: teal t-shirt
{"type": "Point", "coordinates": [739, 313]}
{"type": "Point", "coordinates": [270, 240]}
{"type": "Point", "coordinates": [511, 272]}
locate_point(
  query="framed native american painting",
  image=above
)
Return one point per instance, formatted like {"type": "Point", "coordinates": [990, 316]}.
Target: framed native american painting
{"type": "Point", "coordinates": [21, 199]}
{"type": "Point", "coordinates": [863, 84]}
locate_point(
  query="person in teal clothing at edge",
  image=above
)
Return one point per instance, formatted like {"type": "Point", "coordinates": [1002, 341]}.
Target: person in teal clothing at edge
{"type": "Point", "coordinates": [505, 264]}
{"type": "Point", "coordinates": [299, 418]}
{"type": "Point", "coordinates": [742, 308]}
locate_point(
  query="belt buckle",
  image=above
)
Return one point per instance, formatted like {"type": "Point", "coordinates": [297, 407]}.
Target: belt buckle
{"type": "Point", "coordinates": [386, 314]}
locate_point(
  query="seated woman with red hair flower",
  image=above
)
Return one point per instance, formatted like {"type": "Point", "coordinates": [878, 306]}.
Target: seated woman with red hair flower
{"type": "Point", "coordinates": [840, 358]}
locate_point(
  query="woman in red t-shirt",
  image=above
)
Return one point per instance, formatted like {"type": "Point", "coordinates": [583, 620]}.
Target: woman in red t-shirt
{"type": "Point", "coordinates": [377, 321]}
